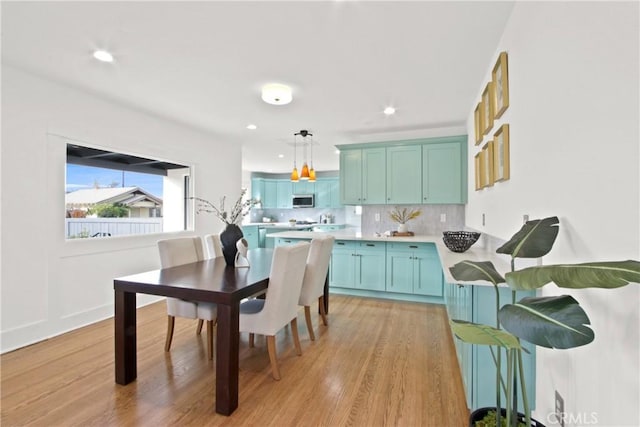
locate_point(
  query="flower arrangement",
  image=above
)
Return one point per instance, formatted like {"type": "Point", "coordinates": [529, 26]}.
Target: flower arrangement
{"type": "Point", "coordinates": [404, 215]}
{"type": "Point", "coordinates": [240, 209]}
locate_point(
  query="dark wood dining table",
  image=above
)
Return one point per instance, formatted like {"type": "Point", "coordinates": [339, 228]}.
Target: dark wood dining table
{"type": "Point", "coordinates": [207, 281]}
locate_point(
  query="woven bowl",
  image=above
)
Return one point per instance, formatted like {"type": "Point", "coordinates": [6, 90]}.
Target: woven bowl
{"type": "Point", "coordinates": [459, 241]}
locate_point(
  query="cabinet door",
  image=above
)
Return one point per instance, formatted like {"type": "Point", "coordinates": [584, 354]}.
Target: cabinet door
{"type": "Point", "coordinates": [303, 187]}
{"type": "Point", "coordinates": [250, 233]}
{"type": "Point", "coordinates": [370, 266]}
{"type": "Point", "coordinates": [442, 173]}
{"type": "Point", "coordinates": [323, 194]}
{"type": "Point", "coordinates": [427, 273]}
{"type": "Point", "coordinates": [351, 177]}
{"type": "Point", "coordinates": [257, 189]}
{"type": "Point", "coordinates": [270, 199]}
{"type": "Point", "coordinates": [341, 273]}
{"type": "Point", "coordinates": [399, 271]}
{"type": "Point", "coordinates": [404, 174]}
{"type": "Point", "coordinates": [284, 194]}
{"type": "Point", "coordinates": [334, 192]}
{"type": "Point", "coordinates": [374, 168]}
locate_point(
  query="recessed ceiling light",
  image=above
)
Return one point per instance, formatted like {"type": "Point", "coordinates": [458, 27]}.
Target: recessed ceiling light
{"type": "Point", "coordinates": [252, 127]}
{"type": "Point", "coordinates": [103, 55]}
{"type": "Point", "coordinates": [281, 156]}
{"type": "Point", "coordinates": [276, 94]}
{"type": "Point", "coordinates": [337, 151]}
{"type": "Point", "coordinates": [389, 111]}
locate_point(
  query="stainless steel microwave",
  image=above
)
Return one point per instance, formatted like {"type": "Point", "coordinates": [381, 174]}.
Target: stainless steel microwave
{"type": "Point", "coordinates": [303, 201]}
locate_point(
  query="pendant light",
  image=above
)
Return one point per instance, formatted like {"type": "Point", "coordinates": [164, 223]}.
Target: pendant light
{"type": "Point", "coordinates": [306, 173]}
{"type": "Point", "coordinates": [294, 172]}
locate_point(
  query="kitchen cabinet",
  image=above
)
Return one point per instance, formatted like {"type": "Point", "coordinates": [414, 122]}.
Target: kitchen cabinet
{"type": "Point", "coordinates": [414, 268]}
{"type": "Point", "coordinates": [250, 234]}
{"type": "Point", "coordinates": [270, 197]}
{"type": "Point", "coordinates": [362, 176]}
{"type": "Point", "coordinates": [257, 190]}
{"type": "Point", "coordinates": [327, 193]}
{"type": "Point", "coordinates": [474, 303]}
{"type": "Point", "coordinates": [443, 177]}
{"type": "Point", "coordinates": [404, 174]}
{"type": "Point", "coordinates": [328, 227]}
{"type": "Point", "coordinates": [303, 187]}
{"type": "Point", "coordinates": [283, 194]}
{"type": "Point", "coordinates": [358, 265]}
{"type": "Point", "coordinates": [420, 171]}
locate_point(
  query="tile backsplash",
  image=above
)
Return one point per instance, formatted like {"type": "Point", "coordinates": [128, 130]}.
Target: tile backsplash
{"type": "Point", "coordinates": [303, 214]}
{"type": "Point", "coordinates": [429, 222]}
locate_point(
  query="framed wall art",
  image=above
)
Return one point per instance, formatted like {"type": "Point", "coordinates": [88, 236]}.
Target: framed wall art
{"type": "Point", "coordinates": [487, 108]}
{"type": "Point", "coordinates": [479, 125]}
{"type": "Point", "coordinates": [478, 171]}
{"type": "Point", "coordinates": [487, 164]}
{"type": "Point", "coordinates": [500, 80]}
{"type": "Point", "coordinates": [501, 154]}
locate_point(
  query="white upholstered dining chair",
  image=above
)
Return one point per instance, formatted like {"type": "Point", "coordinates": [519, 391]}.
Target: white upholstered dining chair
{"type": "Point", "coordinates": [314, 277]}
{"type": "Point", "coordinates": [178, 251]}
{"type": "Point", "coordinates": [280, 305]}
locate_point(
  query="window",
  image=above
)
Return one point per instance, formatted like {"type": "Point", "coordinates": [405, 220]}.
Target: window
{"type": "Point", "coordinates": [114, 194]}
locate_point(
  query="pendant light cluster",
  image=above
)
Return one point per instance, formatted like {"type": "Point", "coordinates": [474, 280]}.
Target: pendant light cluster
{"type": "Point", "coordinates": [306, 174]}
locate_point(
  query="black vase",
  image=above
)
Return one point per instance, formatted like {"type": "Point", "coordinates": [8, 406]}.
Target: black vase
{"type": "Point", "coordinates": [228, 238]}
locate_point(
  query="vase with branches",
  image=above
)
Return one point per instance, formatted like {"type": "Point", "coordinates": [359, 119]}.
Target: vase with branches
{"type": "Point", "coordinates": [402, 216]}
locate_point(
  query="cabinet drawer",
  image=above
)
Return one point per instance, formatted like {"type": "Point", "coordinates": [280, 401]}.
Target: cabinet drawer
{"type": "Point", "coordinates": [412, 247]}
{"type": "Point", "coordinates": [344, 244]}
{"type": "Point", "coordinates": [372, 245]}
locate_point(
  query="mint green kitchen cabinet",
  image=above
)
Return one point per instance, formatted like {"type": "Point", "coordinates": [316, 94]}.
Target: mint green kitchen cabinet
{"type": "Point", "coordinates": [362, 176]}
{"type": "Point", "coordinates": [475, 303]}
{"type": "Point", "coordinates": [444, 173]}
{"type": "Point", "coordinates": [250, 234]}
{"type": "Point", "coordinates": [328, 227]}
{"type": "Point", "coordinates": [327, 193]}
{"type": "Point", "coordinates": [414, 268]}
{"type": "Point", "coordinates": [257, 189]}
{"type": "Point", "coordinates": [303, 187]}
{"type": "Point", "coordinates": [358, 265]}
{"type": "Point", "coordinates": [270, 198]}
{"type": "Point", "coordinates": [404, 174]}
{"type": "Point", "coordinates": [284, 193]}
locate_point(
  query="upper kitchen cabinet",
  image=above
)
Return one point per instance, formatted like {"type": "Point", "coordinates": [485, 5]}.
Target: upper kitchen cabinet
{"type": "Point", "coordinates": [428, 171]}
{"type": "Point", "coordinates": [270, 196]}
{"type": "Point", "coordinates": [303, 187]}
{"type": "Point", "coordinates": [284, 192]}
{"type": "Point", "coordinates": [362, 176]}
{"type": "Point", "coordinates": [327, 193]}
{"type": "Point", "coordinates": [257, 190]}
{"type": "Point", "coordinates": [444, 175]}
{"type": "Point", "coordinates": [404, 174]}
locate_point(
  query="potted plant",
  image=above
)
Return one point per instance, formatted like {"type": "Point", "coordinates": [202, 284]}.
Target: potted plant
{"type": "Point", "coordinates": [553, 321]}
{"type": "Point", "coordinates": [402, 216]}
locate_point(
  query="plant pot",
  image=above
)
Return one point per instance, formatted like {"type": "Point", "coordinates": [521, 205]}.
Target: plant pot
{"type": "Point", "coordinates": [480, 413]}
{"type": "Point", "coordinates": [228, 239]}
{"type": "Point", "coordinates": [403, 228]}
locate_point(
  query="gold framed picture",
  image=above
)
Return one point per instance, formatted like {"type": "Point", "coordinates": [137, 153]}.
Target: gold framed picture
{"type": "Point", "coordinates": [501, 154]}
{"type": "Point", "coordinates": [487, 108]}
{"type": "Point", "coordinates": [487, 164]}
{"type": "Point", "coordinates": [500, 80]}
{"type": "Point", "coordinates": [479, 125]}
{"type": "Point", "coordinates": [478, 171]}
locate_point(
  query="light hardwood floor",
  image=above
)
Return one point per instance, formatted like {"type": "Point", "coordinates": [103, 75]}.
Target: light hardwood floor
{"type": "Point", "coordinates": [377, 363]}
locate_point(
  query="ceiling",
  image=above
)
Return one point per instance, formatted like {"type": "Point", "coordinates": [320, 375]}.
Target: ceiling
{"type": "Point", "coordinates": [203, 64]}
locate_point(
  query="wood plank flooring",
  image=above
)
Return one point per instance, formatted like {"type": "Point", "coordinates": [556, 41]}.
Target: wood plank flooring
{"type": "Point", "coordinates": [378, 363]}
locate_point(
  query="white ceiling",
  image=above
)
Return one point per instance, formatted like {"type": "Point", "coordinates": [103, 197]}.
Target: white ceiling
{"type": "Point", "coordinates": [203, 64]}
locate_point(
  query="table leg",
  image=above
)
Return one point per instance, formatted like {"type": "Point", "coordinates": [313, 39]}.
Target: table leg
{"type": "Point", "coordinates": [125, 337]}
{"type": "Point", "coordinates": [227, 354]}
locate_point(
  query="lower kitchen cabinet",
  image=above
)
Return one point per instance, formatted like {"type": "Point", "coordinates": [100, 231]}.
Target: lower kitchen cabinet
{"type": "Point", "coordinates": [250, 234]}
{"type": "Point", "coordinates": [474, 303]}
{"type": "Point", "coordinates": [358, 265]}
{"type": "Point", "coordinates": [414, 268]}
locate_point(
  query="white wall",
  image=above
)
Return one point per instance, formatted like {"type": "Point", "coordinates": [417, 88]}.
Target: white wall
{"type": "Point", "coordinates": [573, 115]}
{"type": "Point", "coordinates": [50, 285]}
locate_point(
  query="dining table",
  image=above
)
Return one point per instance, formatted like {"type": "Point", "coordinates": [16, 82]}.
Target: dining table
{"type": "Point", "coordinates": [204, 281]}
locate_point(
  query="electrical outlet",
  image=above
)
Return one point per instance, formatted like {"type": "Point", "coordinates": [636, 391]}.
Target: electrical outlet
{"type": "Point", "coordinates": [525, 218]}
{"type": "Point", "coordinates": [559, 409]}
{"type": "Point", "coordinates": [377, 217]}
{"type": "Point", "coordinates": [443, 217]}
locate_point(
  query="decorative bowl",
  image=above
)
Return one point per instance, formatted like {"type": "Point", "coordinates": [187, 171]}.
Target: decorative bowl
{"type": "Point", "coordinates": [459, 241]}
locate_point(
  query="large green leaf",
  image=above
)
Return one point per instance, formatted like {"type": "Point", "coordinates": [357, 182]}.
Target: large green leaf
{"type": "Point", "coordinates": [553, 322]}
{"type": "Point", "coordinates": [533, 240]}
{"type": "Point", "coordinates": [611, 274]}
{"type": "Point", "coordinates": [475, 333]}
{"type": "Point", "coordinates": [473, 271]}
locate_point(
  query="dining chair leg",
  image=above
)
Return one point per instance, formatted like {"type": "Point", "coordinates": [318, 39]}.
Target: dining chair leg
{"type": "Point", "coordinates": [296, 338]}
{"type": "Point", "coordinates": [199, 330]}
{"type": "Point", "coordinates": [323, 314]}
{"type": "Point", "coordinates": [252, 340]}
{"type": "Point", "coordinates": [170, 323]}
{"type": "Point", "coordinates": [210, 339]}
{"type": "Point", "coordinates": [271, 346]}
{"type": "Point", "coordinates": [307, 316]}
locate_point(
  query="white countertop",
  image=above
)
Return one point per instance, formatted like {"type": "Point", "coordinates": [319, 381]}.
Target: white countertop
{"type": "Point", "coordinates": [448, 258]}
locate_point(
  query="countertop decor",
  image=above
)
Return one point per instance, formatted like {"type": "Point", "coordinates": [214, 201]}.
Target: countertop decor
{"type": "Point", "coordinates": [402, 216]}
{"type": "Point", "coordinates": [459, 241]}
